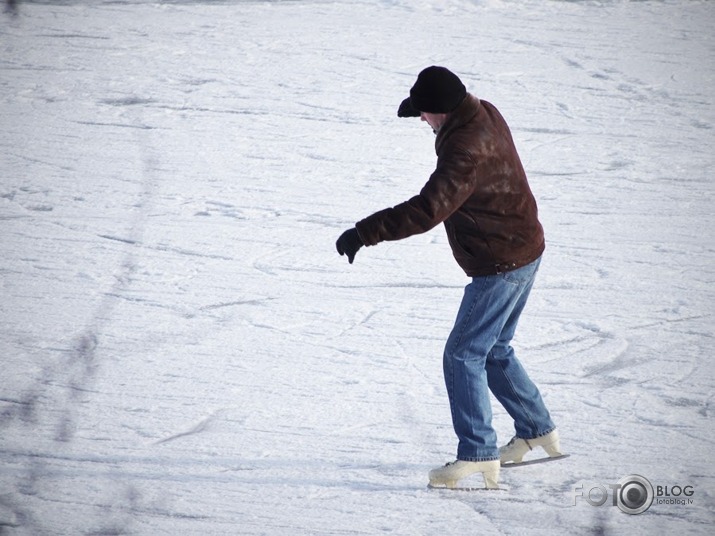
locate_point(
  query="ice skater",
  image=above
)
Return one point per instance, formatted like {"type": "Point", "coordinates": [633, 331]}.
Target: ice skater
{"type": "Point", "coordinates": [11, 7]}
{"type": "Point", "coordinates": [480, 192]}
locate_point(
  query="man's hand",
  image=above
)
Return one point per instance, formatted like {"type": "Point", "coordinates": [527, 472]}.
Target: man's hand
{"type": "Point", "coordinates": [349, 243]}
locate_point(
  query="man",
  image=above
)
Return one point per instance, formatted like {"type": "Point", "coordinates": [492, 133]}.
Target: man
{"type": "Point", "coordinates": [480, 192]}
{"type": "Point", "coordinates": [11, 7]}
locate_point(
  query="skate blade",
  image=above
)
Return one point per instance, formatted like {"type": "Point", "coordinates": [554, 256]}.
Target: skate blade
{"type": "Point", "coordinates": [465, 488]}
{"type": "Point", "coordinates": [534, 462]}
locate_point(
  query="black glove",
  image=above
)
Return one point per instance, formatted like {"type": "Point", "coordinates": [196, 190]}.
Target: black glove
{"type": "Point", "coordinates": [349, 243]}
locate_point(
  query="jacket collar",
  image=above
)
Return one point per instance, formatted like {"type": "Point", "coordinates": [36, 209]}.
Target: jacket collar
{"type": "Point", "coordinates": [461, 115]}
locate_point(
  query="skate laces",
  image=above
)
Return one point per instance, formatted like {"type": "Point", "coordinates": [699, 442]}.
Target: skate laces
{"type": "Point", "coordinates": [513, 440]}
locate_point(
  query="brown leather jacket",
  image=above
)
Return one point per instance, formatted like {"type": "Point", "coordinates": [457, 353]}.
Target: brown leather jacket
{"type": "Point", "coordinates": [478, 189]}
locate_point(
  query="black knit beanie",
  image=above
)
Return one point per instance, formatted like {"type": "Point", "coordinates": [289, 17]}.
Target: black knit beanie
{"type": "Point", "coordinates": [437, 90]}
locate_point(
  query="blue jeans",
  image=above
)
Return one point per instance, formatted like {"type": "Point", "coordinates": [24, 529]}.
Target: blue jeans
{"type": "Point", "coordinates": [478, 357]}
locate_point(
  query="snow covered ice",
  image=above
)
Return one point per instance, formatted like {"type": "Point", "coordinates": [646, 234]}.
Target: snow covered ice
{"type": "Point", "coordinates": [182, 350]}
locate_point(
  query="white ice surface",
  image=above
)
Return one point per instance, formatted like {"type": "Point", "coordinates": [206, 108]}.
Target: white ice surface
{"type": "Point", "coordinates": [182, 350]}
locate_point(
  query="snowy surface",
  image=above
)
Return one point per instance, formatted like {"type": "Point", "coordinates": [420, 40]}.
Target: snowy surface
{"type": "Point", "coordinates": [183, 352]}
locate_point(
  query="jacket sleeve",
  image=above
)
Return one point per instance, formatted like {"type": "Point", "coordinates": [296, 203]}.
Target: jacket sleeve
{"type": "Point", "coordinates": [449, 186]}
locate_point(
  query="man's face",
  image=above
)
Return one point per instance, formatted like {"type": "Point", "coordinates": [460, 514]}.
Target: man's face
{"type": "Point", "coordinates": [434, 120]}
